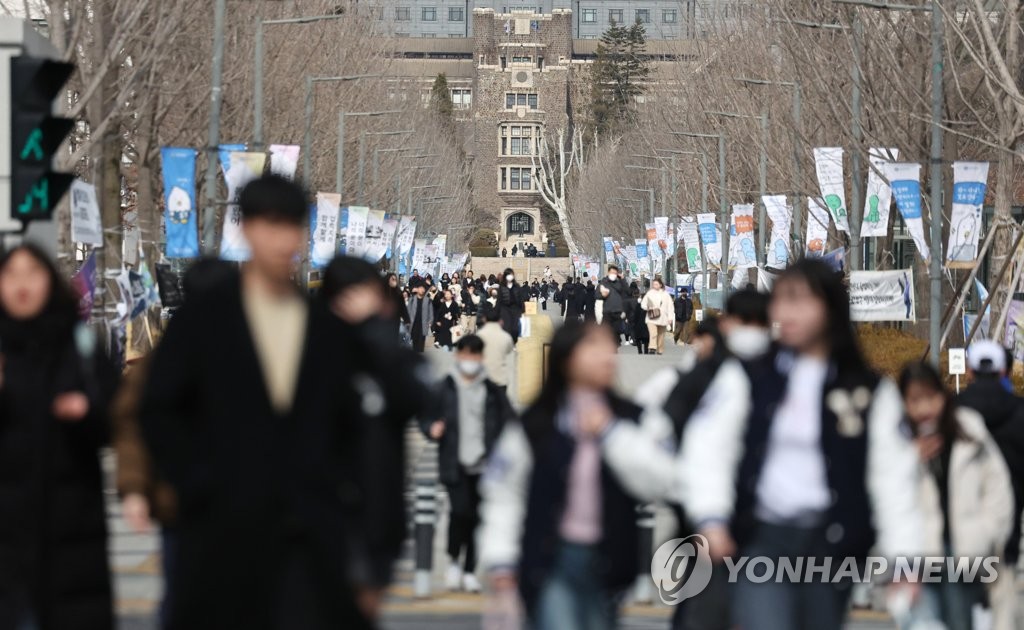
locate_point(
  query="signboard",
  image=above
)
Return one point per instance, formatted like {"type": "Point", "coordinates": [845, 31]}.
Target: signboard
{"type": "Point", "coordinates": [957, 361]}
{"type": "Point", "coordinates": [882, 296]}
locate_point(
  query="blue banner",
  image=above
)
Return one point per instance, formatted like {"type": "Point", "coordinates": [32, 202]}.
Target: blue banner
{"type": "Point", "coordinates": [224, 152]}
{"type": "Point", "coordinates": [343, 231]}
{"type": "Point", "coordinates": [179, 176]}
{"type": "Point", "coordinates": [641, 251]}
{"type": "Point", "coordinates": [313, 263]}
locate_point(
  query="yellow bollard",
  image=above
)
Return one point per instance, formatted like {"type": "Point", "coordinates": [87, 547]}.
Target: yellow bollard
{"type": "Point", "coordinates": [531, 364]}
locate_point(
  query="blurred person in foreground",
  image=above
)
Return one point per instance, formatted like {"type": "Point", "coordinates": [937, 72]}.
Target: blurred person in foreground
{"type": "Point", "coordinates": [498, 348]}
{"type": "Point", "coordinates": [469, 414]}
{"type": "Point", "coordinates": [55, 389]}
{"type": "Point", "coordinates": [966, 498]}
{"type": "Point", "coordinates": [248, 414]}
{"type": "Point", "coordinates": [803, 456]}
{"type": "Point", "coordinates": [561, 491]}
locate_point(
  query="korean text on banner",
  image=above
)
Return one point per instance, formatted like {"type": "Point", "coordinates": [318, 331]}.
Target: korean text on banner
{"type": "Point", "coordinates": [375, 244]}
{"type": "Point", "coordinates": [662, 231]}
{"type": "Point", "coordinates": [86, 225]}
{"type": "Point", "coordinates": [609, 253]}
{"type": "Point", "coordinates": [781, 216]}
{"type": "Point", "coordinates": [905, 179]}
{"type": "Point", "coordinates": [357, 219]}
{"type": "Point", "coordinates": [882, 296]}
{"type": "Point", "coordinates": [406, 234]}
{"type": "Point", "coordinates": [969, 183]}
{"type": "Point", "coordinates": [419, 245]}
{"type": "Point", "coordinates": [284, 160]}
{"type": "Point", "coordinates": [324, 229]}
{"type": "Point", "coordinates": [711, 236]}
{"type": "Point", "coordinates": [817, 228]}
{"type": "Point", "coordinates": [879, 194]}
{"type": "Point", "coordinates": [178, 168]}
{"type": "Point", "coordinates": [743, 254]}
{"type": "Point", "coordinates": [244, 168]}
{"type": "Point", "coordinates": [643, 258]}
{"type": "Point", "coordinates": [828, 164]}
{"type": "Point", "coordinates": [653, 248]}
{"type": "Point", "coordinates": [441, 241]}
{"type": "Point", "coordinates": [691, 240]}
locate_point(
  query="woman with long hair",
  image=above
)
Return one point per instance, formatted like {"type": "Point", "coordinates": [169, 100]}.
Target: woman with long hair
{"type": "Point", "coordinates": [510, 303]}
{"type": "Point", "coordinates": [813, 464]}
{"type": "Point", "coordinates": [54, 395]}
{"type": "Point", "coordinates": [559, 515]}
{"type": "Point", "coordinates": [965, 491]}
{"type": "Point", "coordinates": [446, 317]}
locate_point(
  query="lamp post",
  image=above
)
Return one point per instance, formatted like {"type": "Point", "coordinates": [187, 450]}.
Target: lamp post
{"type": "Point", "coordinates": [723, 205]}
{"type": "Point", "coordinates": [376, 166]}
{"type": "Point", "coordinates": [362, 157]}
{"type": "Point", "coordinates": [213, 133]}
{"type": "Point", "coordinates": [257, 114]}
{"type": "Point", "coordinates": [339, 173]}
{"type": "Point", "coordinates": [307, 136]}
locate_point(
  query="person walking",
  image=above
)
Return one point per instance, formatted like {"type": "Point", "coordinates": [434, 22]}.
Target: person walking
{"type": "Point", "coordinates": [247, 413]}
{"type": "Point", "coordinates": [683, 314]}
{"type": "Point", "coordinates": [504, 252]}
{"type": "Point", "coordinates": [657, 304]}
{"type": "Point", "coordinates": [965, 494]}
{"type": "Point", "coordinates": [396, 307]}
{"type": "Point", "coordinates": [510, 302]}
{"type": "Point", "coordinates": [498, 348]}
{"type": "Point", "coordinates": [445, 319]}
{"type": "Point", "coordinates": [612, 291]}
{"type": "Point", "coordinates": [638, 321]}
{"type": "Point", "coordinates": [471, 413]}
{"type": "Point", "coordinates": [559, 510]}
{"type": "Point", "coordinates": [55, 389]}
{"type": "Point", "coordinates": [421, 312]}
{"type": "Point", "coordinates": [470, 308]}
{"type": "Point", "coordinates": [515, 251]}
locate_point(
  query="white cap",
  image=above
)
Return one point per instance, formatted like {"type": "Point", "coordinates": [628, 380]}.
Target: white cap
{"type": "Point", "coordinates": [986, 357]}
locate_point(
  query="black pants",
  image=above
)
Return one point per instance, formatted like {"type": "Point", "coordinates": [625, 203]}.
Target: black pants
{"type": "Point", "coordinates": [464, 519]}
{"type": "Point", "coordinates": [418, 342]}
{"type": "Point", "coordinates": [614, 319]}
{"type": "Point", "coordinates": [643, 346]}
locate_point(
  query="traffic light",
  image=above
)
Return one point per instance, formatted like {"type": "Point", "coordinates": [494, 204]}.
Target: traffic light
{"type": "Point", "coordinates": [36, 134]}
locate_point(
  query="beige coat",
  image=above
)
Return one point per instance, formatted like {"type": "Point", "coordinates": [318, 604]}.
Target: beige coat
{"type": "Point", "coordinates": [659, 299]}
{"type": "Point", "coordinates": [498, 348]}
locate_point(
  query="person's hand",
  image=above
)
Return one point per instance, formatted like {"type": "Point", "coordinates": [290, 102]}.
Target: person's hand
{"type": "Point", "coordinates": [437, 429]}
{"type": "Point", "coordinates": [594, 420]}
{"type": "Point", "coordinates": [369, 601]}
{"type": "Point", "coordinates": [135, 509]}
{"type": "Point", "coordinates": [70, 407]}
{"type": "Point", "coordinates": [928, 446]}
{"type": "Point", "coordinates": [720, 542]}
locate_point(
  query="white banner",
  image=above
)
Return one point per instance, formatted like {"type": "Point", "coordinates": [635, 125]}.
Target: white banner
{"type": "Point", "coordinates": [406, 234]}
{"type": "Point", "coordinates": [781, 216]}
{"type": "Point", "coordinates": [419, 247]}
{"type": "Point", "coordinates": [879, 194]}
{"type": "Point", "coordinates": [661, 230]}
{"type": "Point", "coordinates": [905, 179]}
{"type": "Point", "coordinates": [882, 296]}
{"type": "Point", "coordinates": [243, 168]}
{"type": "Point", "coordinates": [817, 228]}
{"type": "Point", "coordinates": [711, 236]}
{"type": "Point", "coordinates": [86, 224]}
{"type": "Point", "coordinates": [828, 163]}
{"type": "Point", "coordinates": [357, 219]}
{"type": "Point", "coordinates": [969, 183]}
{"type": "Point", "coordinates": [691, 239]}
{"type": "Point", "coordinates": [441, 240]}
{"type": "Point", "coordinates": [742, 251]}
{"type": "Point", "coordinates": [284, 160]}
{"type": "Point", "coordinates": [375, 245]}
{"type": "Point", "coordinates": [325, 232]}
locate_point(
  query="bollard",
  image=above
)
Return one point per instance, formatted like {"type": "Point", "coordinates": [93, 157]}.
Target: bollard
{"type": "Point", "coordinates": [425, 515]}
{"type": "Point", "coordinates": [645, 551]}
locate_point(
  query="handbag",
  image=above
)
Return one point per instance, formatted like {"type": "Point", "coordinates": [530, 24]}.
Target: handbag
{"type": "Point", "coordinates": [457, 333]}
{"type": "Point", "coordinates": [654, 313]}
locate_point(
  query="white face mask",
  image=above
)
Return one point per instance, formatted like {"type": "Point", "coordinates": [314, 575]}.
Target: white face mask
{"type": "Point", "coordinates": [748, 342]}
{"type": "Point", "coordinates": [613, 277]}
{"type": "Point", "coordinates": [510, 278]}
{"type": "Point", "coordinates": [469, 368]}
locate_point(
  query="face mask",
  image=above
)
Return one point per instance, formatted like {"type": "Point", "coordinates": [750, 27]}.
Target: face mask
{"type": "Point", "coordinates": [748, 342]}
{"type": "Point", "coordinates": [469, 368]}
{"type": "Point", "coordinates": [613, 277]}
{"type": "Point", "coordinates": [510, 278]}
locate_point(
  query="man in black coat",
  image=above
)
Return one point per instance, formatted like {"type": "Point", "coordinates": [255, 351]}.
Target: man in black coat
{"type": "Point", "coordinates": [614, 291]}
{"type": "Point", "coordinates": [248, 414]}
{"type": "Point", "coordinates": [510, 303]}
{"type": "Point", "coordinates": [471, 412]}
{"type": "Point", "coordinates": [684, 311]}
{"type": "Point", "coordinates": [1003, 412]}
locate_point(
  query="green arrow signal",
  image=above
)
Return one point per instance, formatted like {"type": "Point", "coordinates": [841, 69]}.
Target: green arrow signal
{"type": "Point", "coordinates": [34, 145]}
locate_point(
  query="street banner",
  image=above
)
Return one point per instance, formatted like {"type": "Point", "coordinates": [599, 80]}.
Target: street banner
{"type": "Point", "coordinates": [882, 296]}
{"type": "Point", "coordinates": [643, 258]}
{"type": "Point", "coordinates": [84, 283]}
{"type": "Point", "coordinates": [417, 255]}
{"type": "Point", "coordinates": [358, 217]}
{"type": "Point", "coordinates": [691, 240]}
{"type": "Point", "coordinates": [740, 279]}
{"type": "Point", "coordinates": [284, 160]}
{"type": "Point", "coordinates": [441, 241]}
{"type": "Point", "coordinates": [406, 234]}
{"type": "Point", "coordinates": [828, 164]}
{"type": "Point", "coordinates": [969, 182]}
{"type": "Point", "coordinates": [629, 251]}
{"type": "Point", "coordinates": [609, 253]}
{"type": "Point", "coordinates": [711, 236]}
{"type": "Point", "coordinates": [1014, 337]}
{"type": "Point", "coordinates": [374, 245]}
{"type": "Point", "coordinates": [431, 260]}
{"type": "Point", "coordinates": [390, 231]}
{"type": "Point", "coordinates": [836, 259]}
{"type": "Point", "coordinates": [743, 254]}
{"type": "Point", "coordinates": [593, 270]}
{"type": "Point", "coordinates": [178, 168]}
{"type": "Point", "coordinates": [244, 167]}
{"type": "Point", "coordinates": [86, 224]}
{"type": "Point", "coordinates": [986, 319]}
{"type": "Point", "coordinates": [224, 152]}
{"type": "Point", "coordinates": [653, 248]}
{"type": "Point", "coordinates": [323, 229]}
{"type": "Point", "coordinates": [662, 232]}
{"type": "Point", "coordinates": [817, 228]}
{"type": "Point", "coordinates": [617, 253]}
{"type": "Point", "coordinates": [781, 215]}
{"type": "Point", "coordinates": [343, 232]}
{"type": "Point", "coordinates": [905, 179]}
{"type": "Point", "coordinates": [879, 194]}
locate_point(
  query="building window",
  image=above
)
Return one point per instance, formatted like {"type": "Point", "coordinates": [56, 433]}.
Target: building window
{"type": "Point", "coordinates": [519, 224]}
{"type": "Point", "coordinates": [520, 140]}
{"type": "Point", "coordinates": [669, 16]}
{"type": "Point", "coordinates": [589, 16]}
{"type": "Point", "coordinates": [522, 60]}
{"type": "Point", "coordinates": [456, 14]}
{"type": "Point", "coordinates": [429, 14]}
{"type": "Point", "coordinates": [520, 99]}
{"type": "Point", "coordinates": [428, 35]}
{"type": "Point", "coordinates": [517, 178]}
{"type": "Point", "coordinates": [462, 98]}
{"type": "Point", "coordinates": [615, 16]}
{"type": "Point", "coordinates": [402, 14]}
{"type": "Point", "coordinates": [643, 16]}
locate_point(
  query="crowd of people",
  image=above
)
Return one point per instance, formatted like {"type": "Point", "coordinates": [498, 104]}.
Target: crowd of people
{"type": "Point", "coordinates": [265, 436]}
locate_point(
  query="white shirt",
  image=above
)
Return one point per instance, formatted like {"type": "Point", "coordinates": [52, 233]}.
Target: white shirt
{"type": "Point", "coordinates": [793, 481]}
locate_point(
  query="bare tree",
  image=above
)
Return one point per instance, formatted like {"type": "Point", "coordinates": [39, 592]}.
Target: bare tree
{"type": "Point", "coordinates": [558, 160]}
